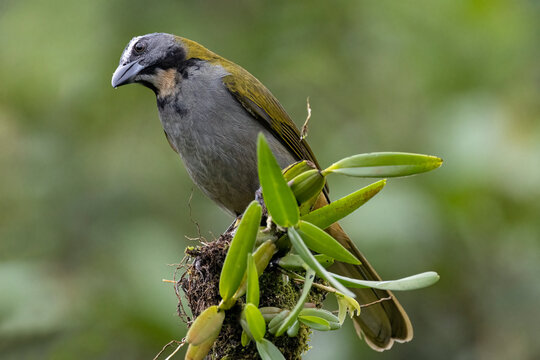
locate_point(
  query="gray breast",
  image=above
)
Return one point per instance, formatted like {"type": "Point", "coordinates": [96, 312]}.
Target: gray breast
{"type": "Point", "coordinates": [216, 137]}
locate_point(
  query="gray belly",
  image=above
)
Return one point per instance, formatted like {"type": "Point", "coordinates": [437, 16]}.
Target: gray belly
{"type": "Point", "coordinates": [216, 138]}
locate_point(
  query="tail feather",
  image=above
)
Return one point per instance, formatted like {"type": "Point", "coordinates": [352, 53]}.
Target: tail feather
{"type": "Point", "coordinates": [382, 322]}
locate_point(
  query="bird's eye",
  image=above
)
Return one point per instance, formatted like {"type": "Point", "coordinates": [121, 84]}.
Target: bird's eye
{"type": "Point", "coordinates": [139, 47]}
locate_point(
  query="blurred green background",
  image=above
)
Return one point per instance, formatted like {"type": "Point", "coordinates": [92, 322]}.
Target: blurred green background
{"type": "Point", "coordinates": [94, 204]}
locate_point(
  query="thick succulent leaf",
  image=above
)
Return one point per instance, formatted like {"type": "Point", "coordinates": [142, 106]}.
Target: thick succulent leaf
{"type": "Point", "coordinates": [322, 313]}
{"type": "Point", "coordinates": [244, 325]}
{"type": "Point", "coordinates": [336, 210]}
{"type": "Point", "coordinates": [315, 322]}
{"type": "Point", "coordinates": [262, 257]}
{"type": "Point", "coordinates": [295, 169]}
{"type": "Point", "coordinates": [234, 266]}
{"type": "Point", "coordinates": [414, 282]}
{"type": "Point", "coordinates": [275, 323]}
{"type": "Point", "coordinates": [293, 330]}
{"type": "Point", "coordinates": [320, 241]}
{"type": "Point", "coordinates": [252, 282]}
{"type": "Point", "coordinates": [384, 164]}
{"type": "Point", "coordinates": [310, 260]}
{"type": "Point", "coordinates": [199, 352]}
{"type": "Point", "coordinates": [333, 320]}
{"type": "Point", "coordinates": [269, 312]}
{"type": "Point", "coordinates": [245, 339]}
{"type": "Point", "coordinates": [295, 262]}
{"type": "Point", "coordinates": [307, 185]}
{"type": "Point", "coordinates": [268, 351]}
{"type": "Point", "coordinates": [293, 315]}
{"type": "Point", "coordinates": [278, 196]}
{"type": "Point", "coordinates": [255, 320]}
{"type": "Point", "coordinates": [206, 326]}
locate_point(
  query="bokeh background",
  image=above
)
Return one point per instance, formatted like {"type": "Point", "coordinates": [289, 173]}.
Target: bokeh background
{"type": "Point", "coordinates": [94, 204]}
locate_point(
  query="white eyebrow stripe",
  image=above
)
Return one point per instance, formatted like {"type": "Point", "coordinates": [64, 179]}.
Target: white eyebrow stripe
{"type": "Point", "coordinates": [129, 48]}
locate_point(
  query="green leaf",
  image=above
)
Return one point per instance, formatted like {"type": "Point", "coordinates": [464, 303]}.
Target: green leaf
{"type": "Point", "coordinates": [384, 164]}
{"type": "Point", "coordinates": [295, 262]}
{"type": "Point", "coordinates": [255, 320]}
{"type": "Point", "coordinates": [414, 282]}
{"type": "Point", "coordinates": [336, 210]}
{"type": "Point", "coordinates": [244, 339]}
{"type": "Point", "coordinates": [293, 315]}
{"type": "Point", "coordinates": [325, 260]}
{"type": "Point", "coordinates": [295, 169]}
{"type": "Point", "coordinates": [206, 326]}
{"type": "Point", "coordinates": [275, 323]}
{"type": "Point", "coordinates": [268, 351]}
{"type": "Point", "coordinates": [262, 257]}
{"type": "Point", "coordinates": [333, 320]}
{"type": "Point", "coordinates": [252, 282]}
{"type": "Point", "coordinates": [322, 313]}
{"type": "Point", "coordinates": [199, 352]}
{"type": "Point", "coordinates": [270, 312]}
{"type": "Point", "coordinates": [315, 322]}
{"type": "Point", "coordinates": [293, 330]}
{"type": "Point", "coordinates": [278, 196]}
{"type": "Point", "coordinates": [234, 266]}
{"type": "Point", "coordinates": [310, 260]}
{"type": "Point", "coordinates": [307, 185]}
{"type": "Point", "coordinates": [320, 241]}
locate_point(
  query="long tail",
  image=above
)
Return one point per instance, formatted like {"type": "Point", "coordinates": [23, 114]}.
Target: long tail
{"type": "Point", "coordinates": [379, 324]}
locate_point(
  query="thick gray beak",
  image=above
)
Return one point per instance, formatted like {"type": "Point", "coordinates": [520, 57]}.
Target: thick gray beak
{"type": "Point", "coordinates": [124, 74]}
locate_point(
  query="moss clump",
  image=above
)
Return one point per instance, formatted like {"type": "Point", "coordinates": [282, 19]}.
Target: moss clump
{"type": "Point", "coordinates": [201, 286]}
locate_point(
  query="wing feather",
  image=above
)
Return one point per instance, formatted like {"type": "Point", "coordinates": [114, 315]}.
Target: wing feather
{"type": "Point", "coordinates": [264, 107]}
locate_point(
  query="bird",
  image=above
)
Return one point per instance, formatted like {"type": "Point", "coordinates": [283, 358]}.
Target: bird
{"type": "Point", "coordinates": [212, 111]}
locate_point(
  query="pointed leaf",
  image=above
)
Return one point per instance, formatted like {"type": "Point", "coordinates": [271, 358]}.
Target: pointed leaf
{"type": "Point", "coordinates": [336, 210]}
{"type": "Point", "coordinates": [268, 351]}
{"type": "Point", "coordinates": [255, 320]}
{"type": "Point", "coordinates": [293, 315]}
{"type": "Point", "coordinates": [310, 260]}
{"type": "Point", "coordinates": [320, 241]}
{"type": "Point", "coordinates": [234, 266]}
{"type": "Point", "coordinates": [206, 326]}
{"type": "Point", "coordinates": [384, 164]}
{"type": "Point", "coordinates": [278, 196]}
{"type": "Point", "coordinates": [325, 260]}
{"type": "Point", "coordinates": [252, 282]}
{"type": "Point", "coordinates": [262, 257]}
{"type": "Point", "coordinates": [414, 282]}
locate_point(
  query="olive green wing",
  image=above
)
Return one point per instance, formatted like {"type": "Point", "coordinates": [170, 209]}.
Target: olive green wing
{"type": "Point", "coordinates": [260, 103]}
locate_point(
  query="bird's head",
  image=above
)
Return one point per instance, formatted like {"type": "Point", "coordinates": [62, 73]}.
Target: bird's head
{"type": "Point", "coordinates": [154, 60]}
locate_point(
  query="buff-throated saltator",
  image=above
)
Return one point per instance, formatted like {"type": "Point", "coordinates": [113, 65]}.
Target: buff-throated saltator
{"type": "Point", "coordinates": [212, 111]}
